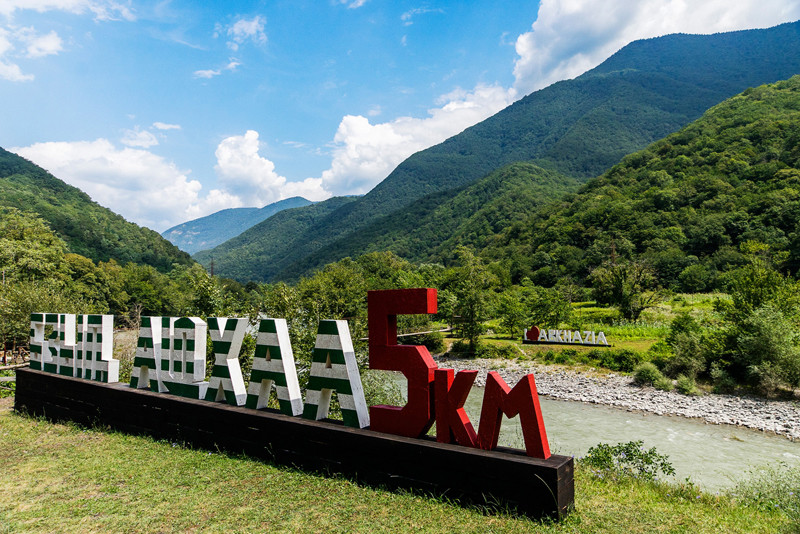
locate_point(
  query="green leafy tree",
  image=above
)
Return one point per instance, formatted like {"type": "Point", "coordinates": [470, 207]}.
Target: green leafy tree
{"type": "Point", "coordinates": [631, 286]}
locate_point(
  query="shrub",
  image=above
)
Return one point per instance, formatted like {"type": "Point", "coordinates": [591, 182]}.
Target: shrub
{"type": "Point", "coordinates": [767, 348]}
{"type": "Point", "coordinates": [506, 352]}
{"type": "Point", "coordinates": [771, 487]}
{"type": "Point", "coordinates": [628, 460]}
{"type": "Point", "coordinates": [663, 383]}
{"type": "Point", "coordinates": [646, 374]}
{"type": "Point", "coordinates": [461, 348]}
{"type": "Point", "coordinates": [624, 360]}
{"type": "Point", "coordinates": [686, 385]}
{"type": "Point", "coordinates": [723, 382]}
{"type": "Point", "coordinates": [689, 359]}
{"type": "Point", "coordinates": [433, 341]}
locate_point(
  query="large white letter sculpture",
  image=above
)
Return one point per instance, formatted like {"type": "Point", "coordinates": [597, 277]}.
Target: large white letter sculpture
{"type": "Point", "coordinates": [89, 354]}
{"type": "Point", "coordinates": [226, 383]}
{"type": "Point", "coordinates": [171, 356]}
{"type": "Point", "coordinates": [333, 367]}
{"type": "Point", "coordinates": [273, 363]}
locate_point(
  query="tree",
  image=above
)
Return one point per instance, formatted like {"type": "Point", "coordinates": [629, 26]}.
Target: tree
{"type": "Point", "coordinates": [513, 312]}
{"type": "Point", "coordinates": [472, 283]}
{"type": "Point", "coordinates": [630, 286]}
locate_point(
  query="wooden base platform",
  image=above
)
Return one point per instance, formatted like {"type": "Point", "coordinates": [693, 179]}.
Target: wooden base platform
{"type": "Point", "coordinates": [504, 477]}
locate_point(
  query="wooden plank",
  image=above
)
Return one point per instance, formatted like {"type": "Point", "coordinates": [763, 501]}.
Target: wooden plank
{"type": "Point", "coordinates": [506, 477]}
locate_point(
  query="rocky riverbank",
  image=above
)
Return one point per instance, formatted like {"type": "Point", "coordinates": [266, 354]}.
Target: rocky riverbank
{"type": "Point", "coordinates": [779, 417]}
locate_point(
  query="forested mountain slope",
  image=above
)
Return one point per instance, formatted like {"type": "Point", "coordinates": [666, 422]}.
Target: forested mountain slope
{"type": "Point", "coordinates": [684, 205]}
{"type": "Point", "coordinates": [257, 253]}
{"type": "Point", "coordinates": [88, 228]}
{"type": "Point", "coordinates": [578, 127]}
{"type": "Point", "coordinates": [430, 229]}
{"type": "Point", "coordinates": [209, 231]}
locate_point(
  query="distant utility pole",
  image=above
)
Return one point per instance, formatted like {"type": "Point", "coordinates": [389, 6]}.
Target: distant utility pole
{"type": "Point", "coordinates": [212, 266]}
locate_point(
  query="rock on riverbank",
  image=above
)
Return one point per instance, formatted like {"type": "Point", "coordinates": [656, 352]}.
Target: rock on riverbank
{"type": "Point", "coordinates": [780, 417]}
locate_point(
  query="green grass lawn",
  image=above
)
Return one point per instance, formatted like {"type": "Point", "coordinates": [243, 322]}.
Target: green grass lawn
{"type": "Point", "coordinates": [64, 478]}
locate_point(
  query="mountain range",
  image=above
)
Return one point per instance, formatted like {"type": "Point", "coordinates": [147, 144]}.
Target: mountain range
{"type": "Point", "coordinates": [209, 231]}
{"type": "Point", "coordinates": [565, 134]}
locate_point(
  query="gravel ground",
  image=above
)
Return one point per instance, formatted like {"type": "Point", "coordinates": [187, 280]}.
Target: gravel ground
{"type": "Point", "coordinates": [779, 417]}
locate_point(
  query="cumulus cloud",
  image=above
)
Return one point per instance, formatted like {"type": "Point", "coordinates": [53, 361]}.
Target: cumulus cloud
{"type": "Point", "coordinates": [571, 37]}
{"type": "Point", "coordinates": [365, 153]}
{"type": "Point", "coordinates": [140, 185]}
{"type": "Point", "coordinates": [247, 174]}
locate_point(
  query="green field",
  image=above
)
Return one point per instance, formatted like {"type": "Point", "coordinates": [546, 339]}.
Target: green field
{"type": "Point", "coordinates": [64, 478]}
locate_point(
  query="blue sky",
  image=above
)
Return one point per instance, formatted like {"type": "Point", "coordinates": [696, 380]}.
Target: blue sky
{"type": "Point", "coordinates": [168, 111]}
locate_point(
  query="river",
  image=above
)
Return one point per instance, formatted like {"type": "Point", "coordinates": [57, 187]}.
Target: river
{"type": "Point", "coordinates": [711, 456]}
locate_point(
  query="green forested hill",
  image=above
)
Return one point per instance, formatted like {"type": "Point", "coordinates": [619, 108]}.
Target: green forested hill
{"type": "Point", "coordinates": [88, 228]}
{"type": "Point", "coordinates": [685, 204]}
{"type": "Point", "coordinates": [577, 127]}
{"type": "Point", "coordinates": [430, 229]}
{"type": "Point", "coordinates": [261, 252]}
{"type": "Point", "coordinates": [209, 231]}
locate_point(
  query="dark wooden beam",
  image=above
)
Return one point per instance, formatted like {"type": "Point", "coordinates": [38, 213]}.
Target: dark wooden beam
{"type": "Point", "coordinates": [504, 477]}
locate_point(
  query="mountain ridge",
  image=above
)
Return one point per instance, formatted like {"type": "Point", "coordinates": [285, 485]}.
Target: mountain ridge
{"type": "Point", "coordinates": [578, 127]}
{"type": "Point", "coordinates": [214, 229]}
{"type": "Point", "coordinates": [88, 228]}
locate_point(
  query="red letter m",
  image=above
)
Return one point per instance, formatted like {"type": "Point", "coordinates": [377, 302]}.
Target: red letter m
{"type": "Point", "coordinates": [499, 399]}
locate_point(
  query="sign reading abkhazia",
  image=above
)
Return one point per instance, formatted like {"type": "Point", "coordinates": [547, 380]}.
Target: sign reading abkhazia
{"type": "Point", "coordinates": [171, 358]}
{"type": "Point", "coordinates": [536, 335]}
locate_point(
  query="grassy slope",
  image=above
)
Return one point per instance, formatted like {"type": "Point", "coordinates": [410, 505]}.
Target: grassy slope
{"type": "Point", "coordinates": [88, 228]}
{"type": "Point", "coordinates": [68, 479]}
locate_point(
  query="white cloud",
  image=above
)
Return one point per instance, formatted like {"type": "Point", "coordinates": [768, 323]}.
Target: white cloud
{"type": "Point", "coordinates": [353, 4]}
{"type": "Point", "coordinates": [364, 153]}
{"type": "Point", "coordinates": [210, 73]}
{"type": "Point", "coordinates": [244, 30]}
{"type": "Point", "coordinates": [102, 9]}
{"type": "Point", "coordinates": [570, 37]}
{"type": "Point", "coordinates": [44, 45]}
{"type": "Point", "coordinates": [166, 126]}
{"type": "Point", "coordinates": [140, 185]}
{"type": "Point", "coordinates": [246, 174]}
{"type": "Point", "coordinates": [38, 45]}
{"type": "Point", "coordinates": [139, 138]}
{"type": "Point", "coordinates": [408, 16]}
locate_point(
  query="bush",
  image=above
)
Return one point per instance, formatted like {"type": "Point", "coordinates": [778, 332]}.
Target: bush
{"type": "Point", "coordinates": [723, 382]}
{"type": "Point", "coordinates": [771, 487]}
{"type": "Point", "coordinates": [433, 341]}
{"type": "Point", "coordinates": [506, 352]}
{"type": "Point", "coordinates": [461, 349]}
{"type": "Point", "coordinates": [664, 384]}
{"type": "Point", "coordinates": [767, 348]}
{"type": "Point", "coordinates": [646, 374]}
{"type": "Point", "coordinates": [628, 460]}
{"type": "Point", "coordinates": [623, 360]}
{"type": "Point", "coordinates": [686, 385]}
{"type": "Point", "coordinates": [689, 359]}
